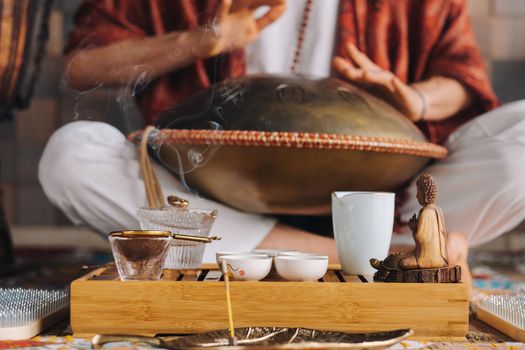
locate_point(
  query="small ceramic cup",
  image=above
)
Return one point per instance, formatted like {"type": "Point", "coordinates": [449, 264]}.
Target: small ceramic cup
{"type": "Point", "coordinates": [247, 267]}
{"type": "Point", "coordinates": [302, 267]}
{"type": "Point", "coordinates": [220, 254]}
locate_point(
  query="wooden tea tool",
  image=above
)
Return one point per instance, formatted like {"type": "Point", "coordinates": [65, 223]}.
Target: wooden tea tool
{"type": "Point", "coordinates": [233, 339]}
{"type": "Point", "coordinates": [151, 183]}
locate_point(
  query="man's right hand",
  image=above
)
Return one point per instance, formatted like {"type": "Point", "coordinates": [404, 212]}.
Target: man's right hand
{"type": "Point", "coordinates": [235, 25]}
{"type": "Point", "coordinates": [145, 59]}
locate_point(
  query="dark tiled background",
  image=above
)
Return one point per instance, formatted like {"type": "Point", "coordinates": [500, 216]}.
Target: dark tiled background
{"type": "Point", "coordinates": [499, 27]}
{"type": "Point", "coordinates": [22, 140]}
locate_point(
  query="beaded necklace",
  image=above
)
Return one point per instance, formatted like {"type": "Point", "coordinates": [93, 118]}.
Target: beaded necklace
{"type": "Point", "coordinates": [300, 38]}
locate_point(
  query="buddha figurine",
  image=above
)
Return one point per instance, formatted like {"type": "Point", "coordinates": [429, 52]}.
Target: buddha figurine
{"type": "Point", "coordinates": [428, 229]}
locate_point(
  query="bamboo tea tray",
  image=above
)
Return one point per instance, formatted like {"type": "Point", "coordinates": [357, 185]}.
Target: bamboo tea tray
{"type": "Point", "coordinates": [194, 301]}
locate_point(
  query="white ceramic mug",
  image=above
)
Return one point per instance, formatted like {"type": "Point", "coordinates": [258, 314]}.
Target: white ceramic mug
{"type": "Point", "coordinates": [363, 224]}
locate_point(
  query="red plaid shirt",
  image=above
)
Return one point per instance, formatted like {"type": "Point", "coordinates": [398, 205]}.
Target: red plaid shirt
{"type": "Point", "coordinates": [415, 39]}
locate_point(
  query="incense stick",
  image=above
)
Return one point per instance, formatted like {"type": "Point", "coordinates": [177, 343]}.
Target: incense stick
{"type": "Point", "coordinates": [228, 300]}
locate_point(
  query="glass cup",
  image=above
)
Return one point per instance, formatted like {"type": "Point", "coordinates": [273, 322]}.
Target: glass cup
{"type": "Point", "coordinates": [196, 222]}
{"type": "Point", "coordinates": [139, 255]}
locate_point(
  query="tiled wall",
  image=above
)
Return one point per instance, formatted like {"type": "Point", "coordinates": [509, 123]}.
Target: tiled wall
{"type": "Point", "coordinates": [22, 140]}
{"type": "Point", "coordinates": [500, 30]}
{"type": "Point", "coordinates": [499, 26]}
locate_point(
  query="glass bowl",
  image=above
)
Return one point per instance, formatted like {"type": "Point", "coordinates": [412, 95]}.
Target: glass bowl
{"type": "Point", "coordinates": [139, 255]}
{"type": "Point", "coordinates": [197, 222]}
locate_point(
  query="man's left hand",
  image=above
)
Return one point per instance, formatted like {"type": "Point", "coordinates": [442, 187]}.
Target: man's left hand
{"type": "Point", "coordinates": [362, 71]}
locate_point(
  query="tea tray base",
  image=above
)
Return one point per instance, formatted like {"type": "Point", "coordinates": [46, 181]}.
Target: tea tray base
{"type": "Point", "coordinates": [185, 302]}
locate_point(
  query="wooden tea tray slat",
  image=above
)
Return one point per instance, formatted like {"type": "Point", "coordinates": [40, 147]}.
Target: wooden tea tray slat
{"type": "Point", "coordinates": [170, 275]}
{"type": "Point", "coordinates": [353, 278]}
{"type": "Point", "coordinates": [194, 301]}
{"type": "Point", "coordinates": [106, 273]}
{"type": "Point", "coordinates": [331, 276]}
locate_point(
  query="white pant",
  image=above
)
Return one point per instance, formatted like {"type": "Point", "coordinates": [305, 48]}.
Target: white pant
{"type": "Point", "coordinates": [481, 183]}
{"type": "Point", "coordinates": [91, 172]}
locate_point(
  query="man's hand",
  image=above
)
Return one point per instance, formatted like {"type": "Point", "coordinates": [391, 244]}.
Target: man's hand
{"type": "Point", "coordinates": [362, 71]}
{"type": "Point", "coordinates": [235, 25]}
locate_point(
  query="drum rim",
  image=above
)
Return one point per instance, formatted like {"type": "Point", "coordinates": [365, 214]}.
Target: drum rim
{"type": "Point", "coordinates": [300, 140]}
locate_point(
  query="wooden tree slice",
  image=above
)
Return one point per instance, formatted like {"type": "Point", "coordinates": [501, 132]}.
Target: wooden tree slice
{"type": "Point", "coordinates": [451, 274]}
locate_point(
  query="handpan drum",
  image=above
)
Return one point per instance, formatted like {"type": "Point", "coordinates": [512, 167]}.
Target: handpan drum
{"type": "Point", "coordinates": [277, 144]}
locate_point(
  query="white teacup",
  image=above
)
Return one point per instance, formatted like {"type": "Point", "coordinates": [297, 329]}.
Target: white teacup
{"type": "Point", "coordinates": [363, 224]}
{"type": "Point", "coordinates": [301, 267]}
{"type": "Point", "coordinates": [247, 267]}
{"type": "Point", "coordinates": [220, 254]}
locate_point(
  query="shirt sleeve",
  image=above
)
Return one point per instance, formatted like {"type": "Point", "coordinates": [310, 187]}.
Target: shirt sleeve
{"type": "Point", "coordinates": [457, 56]}
{"type": "Point", "coordinates": [102, 22]}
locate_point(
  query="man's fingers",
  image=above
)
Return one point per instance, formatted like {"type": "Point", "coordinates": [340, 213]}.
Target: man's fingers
{"type": "Point", "coordinates": [347, 69]}
{"type": "Point", "coordinates": [224, 9]}
{"type": "Point", "coordinates": [380, 78]}
{"type": "Point", "coordinates": [360, 58]}
{"type": "Point", "coordinates": [253, 4]}
{"type": "Point", "coordinates": [406, 99]}
{"type": "Point", "coordinates": [400, 89]}
{"type": "Point", "coordinates": [271, 16]}
{"type": "Point", "coordinates": [403, 93]}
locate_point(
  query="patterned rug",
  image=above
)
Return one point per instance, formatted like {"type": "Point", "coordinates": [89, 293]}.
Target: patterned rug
{"type": "Point", "coordinates": [71, 343]}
